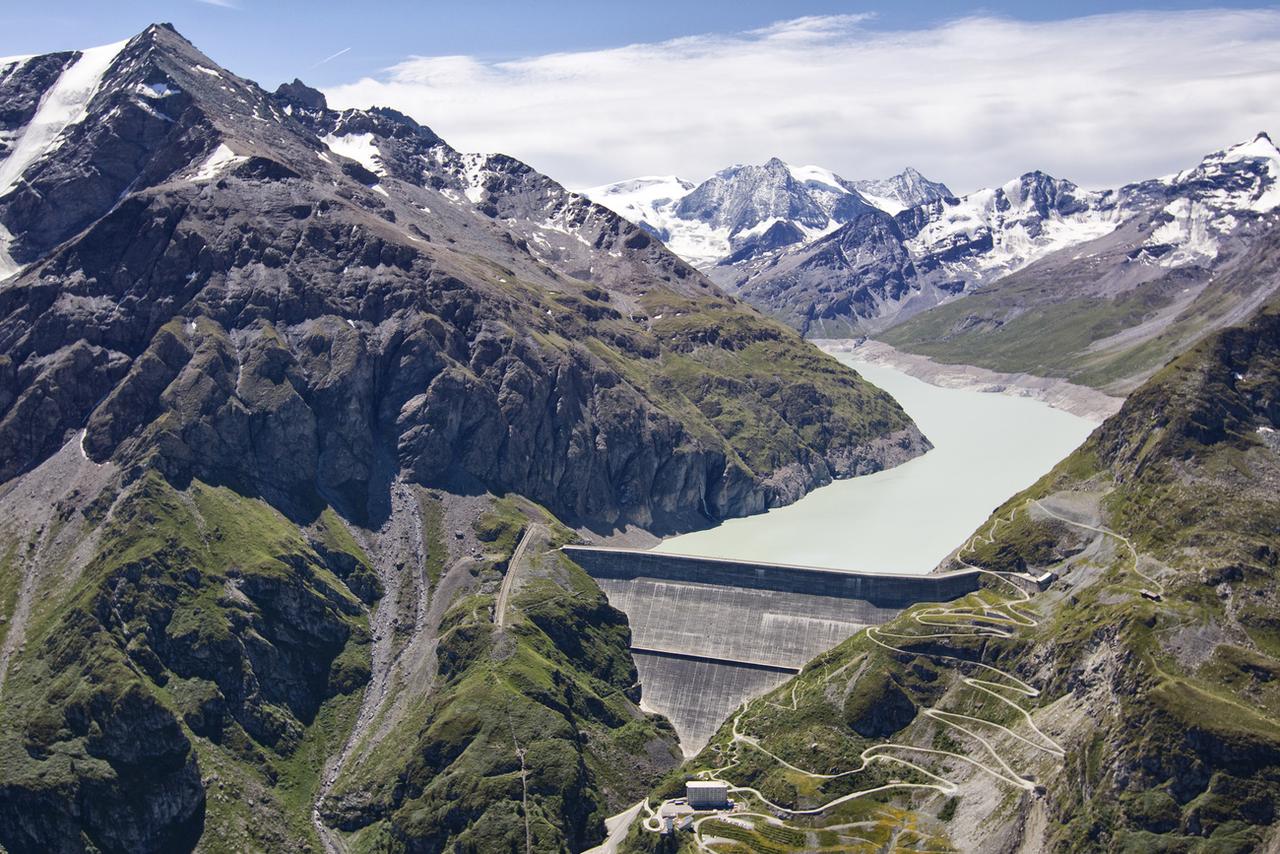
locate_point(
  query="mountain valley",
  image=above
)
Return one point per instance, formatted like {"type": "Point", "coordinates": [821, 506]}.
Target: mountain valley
{"type": "Point", "coordinates": [352, 489]}
{"type": "Point", "coordinates": [1111, 688]}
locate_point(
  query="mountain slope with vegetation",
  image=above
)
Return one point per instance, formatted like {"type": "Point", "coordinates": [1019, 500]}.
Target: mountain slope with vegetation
{"type": "Point", "coordinates": [285, 395]}
{"type": "Point", "coordinates": [1128, 701]}
{"type": "Point", "coordinates": [1193, 253]}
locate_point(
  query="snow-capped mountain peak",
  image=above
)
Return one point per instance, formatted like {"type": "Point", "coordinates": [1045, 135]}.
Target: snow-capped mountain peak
{"type": "Point", "coordinates": [741, 197]}
{"type": "Point", "coordinates": [746, 210]}
{"type": "Point", "coordinates": [1259, 148]}
{"type": "Point", "coordinates": [997, 230]}
{"type": "Point", "coordinates": [905, 190]}
{"type": "Point", "coordinates": [1210, 201]}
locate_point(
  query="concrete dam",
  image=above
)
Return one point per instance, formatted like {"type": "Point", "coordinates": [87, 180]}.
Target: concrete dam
{"type": "Point", "coordinates": [708, 634]}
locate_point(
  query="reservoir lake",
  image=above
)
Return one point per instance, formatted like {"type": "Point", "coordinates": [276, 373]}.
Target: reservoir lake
{"type": "Point", "coordinates": [987, 447]}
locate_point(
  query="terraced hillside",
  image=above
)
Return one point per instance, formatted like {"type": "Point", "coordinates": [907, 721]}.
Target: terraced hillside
{"type": "Point", "coordinates": [1131, 705]}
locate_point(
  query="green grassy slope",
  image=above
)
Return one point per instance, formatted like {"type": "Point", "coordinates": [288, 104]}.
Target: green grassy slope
{"type": "Point", "coordinates": [996, 328]}
{"type": "Point", "coordinates": [189, 686]}
{"type": "Point", "coordinates": [202, 666]}
{"type": "Point", "coordinates": [529, 729]}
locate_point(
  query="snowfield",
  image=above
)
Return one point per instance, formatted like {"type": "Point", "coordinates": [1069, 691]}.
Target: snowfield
{"type": "Point", "coordinates": [62, 107]}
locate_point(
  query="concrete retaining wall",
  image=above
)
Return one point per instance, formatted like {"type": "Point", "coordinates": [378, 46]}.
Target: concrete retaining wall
{"type": "Point", "coordinates": [697, 696]}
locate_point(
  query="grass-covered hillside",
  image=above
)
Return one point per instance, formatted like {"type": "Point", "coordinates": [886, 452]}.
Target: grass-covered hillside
{"type": "Point", "coordinates": [1130, 705]}
{"type": "Point", "coordinates": [190, 669]}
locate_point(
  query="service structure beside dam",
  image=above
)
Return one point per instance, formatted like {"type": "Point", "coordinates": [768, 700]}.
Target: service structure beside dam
{"type": "Point", "coordinates": [708, 633]}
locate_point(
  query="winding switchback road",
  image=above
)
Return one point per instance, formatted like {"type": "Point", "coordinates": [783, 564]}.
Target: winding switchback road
{"type": "Point", "coordinates": [998, 620]}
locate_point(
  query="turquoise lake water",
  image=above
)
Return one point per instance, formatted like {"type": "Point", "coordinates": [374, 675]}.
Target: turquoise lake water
{"type": "Point", "coordinates": [987, 447]}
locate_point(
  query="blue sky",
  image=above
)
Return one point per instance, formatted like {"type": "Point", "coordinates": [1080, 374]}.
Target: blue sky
{"type": "Point", "coordinates": [591, 92]}
{"type": "Point", "coordinates": [272, 41]}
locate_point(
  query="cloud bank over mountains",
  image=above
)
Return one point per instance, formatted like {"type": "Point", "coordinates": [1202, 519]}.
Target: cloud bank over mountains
{"type": "Point", "coordinates": [1100, 99]}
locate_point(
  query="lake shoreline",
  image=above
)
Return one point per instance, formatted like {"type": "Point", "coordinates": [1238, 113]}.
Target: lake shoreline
{"type": "Point", "coordinates": [909, 518]}
{"type": "Point", "coordinates": [1056, 392]}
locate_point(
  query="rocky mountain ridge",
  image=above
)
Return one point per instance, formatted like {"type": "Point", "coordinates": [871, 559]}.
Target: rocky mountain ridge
{"type": "Point", "coordinates": [285, 393]}
{"type": "Point", "coordinates": [1189, 253]}
{"type": "Point", "coordinates": [879, 264]}
{"type": "Point", "coordinates": [905, 190]}
{"type": "Point", "coordinates": [188, 145]}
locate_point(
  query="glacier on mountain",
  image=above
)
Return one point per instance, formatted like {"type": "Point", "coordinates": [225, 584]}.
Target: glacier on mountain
{"type": "Point", "coordinates": [746, 211]}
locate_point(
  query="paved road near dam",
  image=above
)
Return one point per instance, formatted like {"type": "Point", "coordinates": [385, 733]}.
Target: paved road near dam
{"type": "Point", "coordinates": [708, 633]}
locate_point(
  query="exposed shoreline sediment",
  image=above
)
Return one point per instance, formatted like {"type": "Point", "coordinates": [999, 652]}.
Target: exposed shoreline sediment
{"type": "Point", "coordinates": [1059, 393]}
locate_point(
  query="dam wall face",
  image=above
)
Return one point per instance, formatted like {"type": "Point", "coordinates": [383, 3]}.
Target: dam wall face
{"type": "Point", "coordinates": [709, 634]}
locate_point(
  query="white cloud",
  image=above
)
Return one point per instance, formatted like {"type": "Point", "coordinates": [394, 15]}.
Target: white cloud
{"type": "Point", "coordinates": [222, 4]}
{"type": "Point", "coordinates": [1100, 99]}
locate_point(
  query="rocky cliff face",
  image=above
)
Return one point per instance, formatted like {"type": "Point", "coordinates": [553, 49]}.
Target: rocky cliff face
{"type": "Point", "coordinates": [907, 189]}
{"type": "Point", "coordinates": [259, 308]}
{"type": "Point", "coordinates": [257, 358]}
{"type": "Point", "coordinates": [861, 270]}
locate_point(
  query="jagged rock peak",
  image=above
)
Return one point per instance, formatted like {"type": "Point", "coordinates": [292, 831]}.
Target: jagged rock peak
{"type": "Point", "coordinates": [908, 189]}
{"type": "Point", "coordinates": [301, 95]}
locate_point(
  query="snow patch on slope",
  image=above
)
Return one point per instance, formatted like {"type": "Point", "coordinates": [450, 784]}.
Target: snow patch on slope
{"type": "Point", "coordinates": [473, 172]}
{"type": "Point", "coordinates": [1188, 229]}
{"type": "Point", "coordinates": [63, 106]}
{"type": "Point", "coordinates": [817, 175]}
{"type": "Point", "coordinates": [891, 206]}
{"type": "Point", "coordinates": [222, 159]}
{"type": "Point", "coordinates": [359, 147]}
{"type": "Point", "coordinates": [651, 202]}
{"type": "Point", "coordinates": [8, 267]}
{"type": "Point", "coordinates": [157, 90]}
